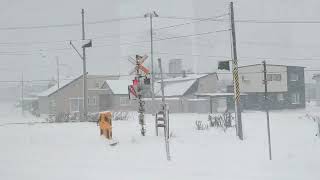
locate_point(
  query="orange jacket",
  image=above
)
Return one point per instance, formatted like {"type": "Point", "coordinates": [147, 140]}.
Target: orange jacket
{"type": "Point", "coordinates": [105, 120]}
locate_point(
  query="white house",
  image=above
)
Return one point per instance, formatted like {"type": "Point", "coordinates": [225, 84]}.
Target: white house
{"type": "Point", "coordinates": [286, 86]}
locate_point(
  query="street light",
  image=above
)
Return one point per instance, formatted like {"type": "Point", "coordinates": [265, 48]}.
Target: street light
{"type": "Point", "coordinates": [85, 44]}
{"type": "Point", "coordinates": [151, 15]}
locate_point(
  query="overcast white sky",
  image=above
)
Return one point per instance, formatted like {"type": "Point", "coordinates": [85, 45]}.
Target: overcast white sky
{"type": "Point", "coordinates": [37, 60]}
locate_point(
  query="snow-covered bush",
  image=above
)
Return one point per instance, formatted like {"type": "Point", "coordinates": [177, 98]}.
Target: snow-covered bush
{"type": "Point", "coordinates": [122, 115]}
{"type": "Point", "coordinates": [201, 125]}
{"type": "Point", "coordinates": [316, 119]}
{"type": "Point", "coordinates": [93, 117]}
{"type": "Point", "coordinates": [62, 117]}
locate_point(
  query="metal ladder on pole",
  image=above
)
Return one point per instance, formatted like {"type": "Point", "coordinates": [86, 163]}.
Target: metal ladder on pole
{"type": "Point", "coordinates": [162, 120]}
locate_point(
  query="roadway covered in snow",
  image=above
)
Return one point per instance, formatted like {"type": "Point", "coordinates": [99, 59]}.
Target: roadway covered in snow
{"type": "Point", "coordinates": [75, 150]}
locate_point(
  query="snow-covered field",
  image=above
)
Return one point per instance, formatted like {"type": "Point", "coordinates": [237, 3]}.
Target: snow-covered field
{"type": "Point", "coordinates": [76, 151]}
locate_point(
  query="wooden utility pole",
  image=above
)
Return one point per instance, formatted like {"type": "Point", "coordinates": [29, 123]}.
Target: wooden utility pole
{"type": "Point", "coordinates": [85, 90]}
{"type": "Point", "coordinates": [236, 76]}
{"type": "Point", "coordinates": [165, 114]}
{"type": "Point", "coordinates": [266, 104]}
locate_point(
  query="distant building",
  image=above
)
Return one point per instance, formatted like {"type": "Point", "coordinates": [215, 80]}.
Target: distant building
{"type": "Point", "coordinates": [311, 92]}
{"type": "Point", "coordinates": [68, 98]}
{"type": "Point", "coordinates": [286, 86]}
{"type": "Point", "coordinates": [115, 96]}
{"type": "Point", "coordinates": [175, 67]}
{"type": "Point", "coordinates": [316, 77]}
{"type": "Point", "coordinates": [180, 93]}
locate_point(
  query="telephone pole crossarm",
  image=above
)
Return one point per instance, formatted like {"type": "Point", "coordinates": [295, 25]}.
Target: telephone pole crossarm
{"type": "Point", "coordinates": [76, 50]}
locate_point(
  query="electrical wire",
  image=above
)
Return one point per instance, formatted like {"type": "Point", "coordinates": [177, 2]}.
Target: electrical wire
{"type": "Point", "coordinates": [277, 21]}
{"type": "Point", "coordinates": [254, 21]}
{"type": "Point", "coordinates": [68, 24]}
{"type": "Point", "coordinates": [192, 22]}
{"type": "Point", "coordinates": [188, 73]}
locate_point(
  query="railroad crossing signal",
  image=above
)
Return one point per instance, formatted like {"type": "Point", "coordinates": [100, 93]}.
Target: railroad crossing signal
{"type": "Point", "coordinates": [136, 88]}
{"type": "Point", "coordinates": [138, 64]}
{"type": "Point", "coordinates": [132, 92]}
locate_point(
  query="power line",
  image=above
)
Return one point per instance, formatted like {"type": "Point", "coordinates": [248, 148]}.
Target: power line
{"type": "Point", "coordinates": [214, 18]}
{"type": "Point", "coordinates": [191, 35]}
{"type": "Point", "coordinates": [68, 24]}
{"type": "Point", "coordinates": [167, 38]}
{"type": "Point", "coordinates": [192, 22]}
{"type": "Point", "coordinates": [115, 20]}
{"type": "Point", "coordinates": [278, 21]}
{"type": "Point", "coordinates": [30, 51]}
{"type": "Point", "coordinates": [255, 21]}
{"type": "Point", "coordinates": [182, 54]}
{"type": "Point", "coordinates": [188, 73]}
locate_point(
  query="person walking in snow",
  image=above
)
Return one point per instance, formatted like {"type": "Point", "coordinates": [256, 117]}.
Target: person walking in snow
{"type": "Point", "coordinates": [105, 124]}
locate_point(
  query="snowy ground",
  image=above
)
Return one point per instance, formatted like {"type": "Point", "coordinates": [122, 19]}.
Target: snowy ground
{"type": "Point", "coordinates": [75, 150]}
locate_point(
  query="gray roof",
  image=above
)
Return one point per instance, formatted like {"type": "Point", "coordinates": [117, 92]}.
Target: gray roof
{"type": "Point", "coordinates": [54, 89]}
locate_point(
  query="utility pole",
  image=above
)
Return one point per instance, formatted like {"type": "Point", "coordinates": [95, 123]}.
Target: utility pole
{"type": "Point", "coordinates": [58, 72]}
{"type": "Point", "coordinates": [151, 15]}
{"type": "Point", "coordinates": [85, 95]}
{"type": "Point", "coordinates": [165, 114]}
{"type": "Point", "coordinates": [266, 104]}
{"type": "Point", "coordinates": [235, 76]}
{"type": "Point", "coordinates": [22, 94]}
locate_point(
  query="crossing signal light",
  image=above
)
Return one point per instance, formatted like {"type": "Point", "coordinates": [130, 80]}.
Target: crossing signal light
{"type": "Point", "coordinates": [135, 82]}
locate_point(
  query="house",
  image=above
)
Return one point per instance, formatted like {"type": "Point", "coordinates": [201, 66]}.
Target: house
{"type": "Point", "coordinates": [311, 92]}
{"type": "Point", "coordinates": [68, 98]}
{"type": "Point", "coordinates": [179, 93]}
{"type": "Point", "coordinates": [115, 96]}
{"type": "Point", "coordinates": [286, 86]}
{"type": "Point", "coordinates": [187, 85]}
{"type": "Point", "coordinates": [316, 77]}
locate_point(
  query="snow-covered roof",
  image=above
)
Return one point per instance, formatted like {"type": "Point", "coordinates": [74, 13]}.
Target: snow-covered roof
{"type": "Point", "coordinates": [197, 99]}
{"type": "Point", "coordinates": [217, 94]}
{"type": "Point", "coordinates": [188, 77]}
{"type": "Point", "coordinates": [178, 88]}
{"type": "Point", "coordinates": [53, 89]}
{"type": "Point", "coordinates": [159, 99]}
{"type": "Point", "coordinates": [119, 86]}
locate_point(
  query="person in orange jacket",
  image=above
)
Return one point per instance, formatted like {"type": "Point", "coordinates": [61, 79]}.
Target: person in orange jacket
{"type": "Point", "coordinates": [105, 123]}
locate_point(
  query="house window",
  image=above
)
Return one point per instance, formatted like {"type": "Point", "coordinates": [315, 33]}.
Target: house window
{"type": "Point", "coordinates": [280, 97]}
{"type": "Point", "coordinates": [92, 101]}
{"type": "Point", "coordinates": [76, 104]}
{"type": "Point", "coordinates": [244, 78]}
{"type": "Point", "coordinates": [124, 101]}
{"type": "Point", "coordinates": [52, 106]}
{"type": "Point", "coordinates": [293, 77]}
{"type": "Point", "coordinates": [273, 77]}
{"type": "Point", "coordinates": [98, 85]}
{"type": "Point", "coordinates": [295, 98]}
